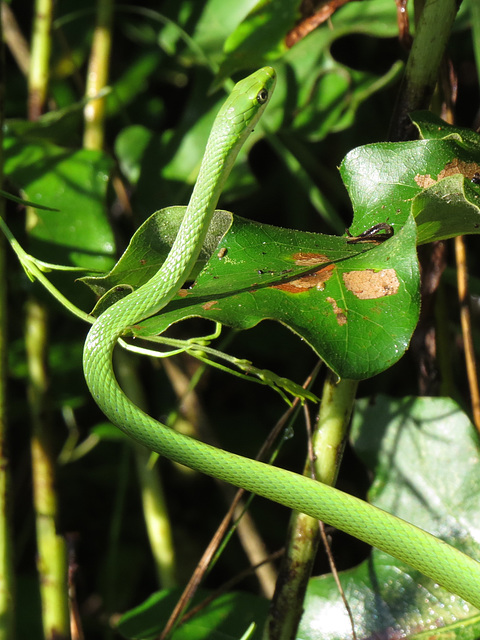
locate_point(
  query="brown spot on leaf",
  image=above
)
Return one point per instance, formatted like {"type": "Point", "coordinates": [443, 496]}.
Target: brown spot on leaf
{"type": "Point", "coordinates": [338, 311]}
{"type": "Point", "coordinates": [208, 305]}
{"type": "Point", "coordinates": [370, 284]}
{"type": "Point", "coordinates": [183, 293]}
{"type": "Point", "coordinates": [316, 280]}
{"type": "Point", "coordinates": [467, 169]}
{"type": "Point", "coordinates": [222, 252]}
{"type": "Point", "coordinates": [305, 259]}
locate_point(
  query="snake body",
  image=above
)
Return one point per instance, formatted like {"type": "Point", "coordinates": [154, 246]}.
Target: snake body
{"type": "Point", "coordinates": [447, 566]}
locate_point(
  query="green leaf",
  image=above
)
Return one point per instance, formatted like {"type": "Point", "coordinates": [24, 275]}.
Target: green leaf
{"type": "Point", "coordinates": [316, 94]}
{"type": "Point", "coordinates": [131, 145]}
{"type": "Point", "coordinates": [430, 126]}
{"type": "Point", "coordinates": [260, 37]}
{"type": "Point", "coordinates": [165, 167]}
{"type": "Point", "coordinates": [355, 304]}
{"type": "Point", "coordinates": [429, 178]}
{"type": "Point", "coordinates": [149, 247]}
{"type": "Point", "coordinates": [226, 618]}
{"type": "Point", "coordinates": [75, 182]}
{"type": "Point", "coordinates": [216, 21]}
{"type": "Point", "coordinates": [413, 446]}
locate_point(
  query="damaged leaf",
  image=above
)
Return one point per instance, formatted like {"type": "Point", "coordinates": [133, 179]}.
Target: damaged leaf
{"type": "Point", "coordinates": [346, 300]}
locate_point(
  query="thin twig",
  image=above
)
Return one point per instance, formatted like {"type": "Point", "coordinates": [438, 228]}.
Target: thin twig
{"type": "Point", "coordinates": [14, 39]}
{"type": "Point", "coordinates": [466, 323]}
{"type": "Point", "coordinates": [214, 544]}
{"type": "Point", "coordinates": [404, 35]}
{"type": "Point", "coordinates": [229, 585]}
{"type": "Point", "coordinates": [191, 410]}
{"type": "Point", "coordinates": [309, 24]}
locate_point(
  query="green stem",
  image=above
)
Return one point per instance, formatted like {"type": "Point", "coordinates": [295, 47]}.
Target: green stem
{"type": "Point", "coordinates": [303, 535]}
{"type": "Point", "coordinates": [40, 59]}
{"type": "Point", "coordinates": [7, 600]}
{"type": "Point", "coordinates": [51, 547]}
{"type": "Point", "coordinates": [432, 33]}
{"type": "Point", "coordinates": [97, 77]}
{"type": "Point", "coordinates": [52, 561]}
{"type": "Point", "coordinates": [334, 418]}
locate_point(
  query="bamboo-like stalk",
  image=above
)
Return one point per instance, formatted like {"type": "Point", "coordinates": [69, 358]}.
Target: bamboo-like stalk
{"type": "Point", "coordinates": [39, 71]}
{"type": "Point", "coordinates": [154, 507]}
{"type": "Point", "coordinates": [52, 563]}
{"type": "Point", "coordinates": [51, 547]}
{"type": "Point", "coordinates": [303, 536]}
{"type": "Point", "coordinates": [7, 599]}
{"type": "Point", "coordinates": [97, 76]}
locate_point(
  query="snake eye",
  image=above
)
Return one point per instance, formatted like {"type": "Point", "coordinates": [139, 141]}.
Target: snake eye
{"type": "Point", "coordinates": [262, 96]}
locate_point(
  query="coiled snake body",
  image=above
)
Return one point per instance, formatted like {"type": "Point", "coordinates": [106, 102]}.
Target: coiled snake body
{"type": "Point", "coordinates": [447, 566]}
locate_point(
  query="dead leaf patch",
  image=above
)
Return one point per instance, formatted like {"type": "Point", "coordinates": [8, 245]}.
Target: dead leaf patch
{"type": "Point", "coordinates": [208, 305]}
{"type": "Point", "coordinates": [316, 280]}
{"type": "Point", "coordinates": [303, 258]}
{"type": "Point", "coordinates": [467, 169]}
{"type": "Point", "coordinates": [338, 311]}
{"type": "Point", "coordinates": [370, 284]}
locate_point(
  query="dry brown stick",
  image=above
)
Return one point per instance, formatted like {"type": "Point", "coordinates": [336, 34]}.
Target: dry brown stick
{"type": "Point", "coordinates": [250, 539]}
{"type": "Point", "coordinates": [403, 22]}
{"type": "Point", "coordinates": [466, 323]}
{"type": "Point", "coordinates": [15, 40]}
{"type": "Point", "coordinates": [228, 585]}
{"type": "Point", "coordinates": [309, 24]}
{"type": "Point", "coordinates": [212, 547]}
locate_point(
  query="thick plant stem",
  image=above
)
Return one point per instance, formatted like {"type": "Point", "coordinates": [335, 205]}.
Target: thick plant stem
{"type": "Point", "coordinates": [40, 59]}
{"type": "Point", "coordinates": [52, 556]}
{"type": "Point", "coordinates": [154, 507]}
{"type": "Point", "coordinates": [431, 37]}
{"type": "Point", "coordinates": [7, 600]}
{"type": "Point", "coordinates": [303, 537]}
{"type": "Point", "coordinates": [51, 548]}
{"type": "Point", "coordinates": [97, 77]}
{"type": "Point", "coordinates": [156, 518]}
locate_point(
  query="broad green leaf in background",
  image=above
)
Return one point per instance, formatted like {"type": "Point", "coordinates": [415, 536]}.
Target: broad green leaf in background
{"type": "Point", "coordinates": [165, 166]}
{"type": "Point", "coordinates": [323, 94]}
{"type": "Point", "coordinates": [260, 37]}
{"type": "Point", "coordinates": [73, 181]}
{"type": "Point", "coordinates": [355, 304]}
{"type": "Point", "coordinates": [208, 24]}
{"type": "Point", "coordinates": [424, 454]}
{"type": "Point", "coordinates": [226, 618]}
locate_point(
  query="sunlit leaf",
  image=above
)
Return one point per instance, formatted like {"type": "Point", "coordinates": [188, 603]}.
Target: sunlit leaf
{"type": "Point", "coordinates": [413, 447]}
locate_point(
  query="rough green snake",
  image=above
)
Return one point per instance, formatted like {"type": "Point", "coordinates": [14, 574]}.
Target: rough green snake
{"type": "Point", "coordinates": [447, 566]}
